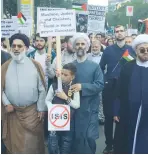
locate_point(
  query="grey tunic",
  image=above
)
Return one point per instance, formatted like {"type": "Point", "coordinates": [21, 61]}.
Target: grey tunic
{"type": "Point", "coordinates": [23, 85]}
{"type": "Point", "coordinates": [66, 58]}
{"type": "Point", "coordinates": [90, 76]}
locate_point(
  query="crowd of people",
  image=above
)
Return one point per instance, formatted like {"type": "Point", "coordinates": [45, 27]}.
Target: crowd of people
{"type": "Point", "coordinates": [104, 81]}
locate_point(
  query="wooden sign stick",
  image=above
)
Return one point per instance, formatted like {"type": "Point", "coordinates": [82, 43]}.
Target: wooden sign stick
{"type": "Point", "coordinates": [58, 59]}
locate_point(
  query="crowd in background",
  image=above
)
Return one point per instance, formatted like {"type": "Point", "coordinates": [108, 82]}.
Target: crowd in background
{"type": "Point", "coordinates": [91, 70]}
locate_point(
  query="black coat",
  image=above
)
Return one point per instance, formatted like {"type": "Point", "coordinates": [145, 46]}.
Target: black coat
{"type": "Point", "coordinates": [122, 131]}
{"type": "Point", "coordinates": [4, 57]}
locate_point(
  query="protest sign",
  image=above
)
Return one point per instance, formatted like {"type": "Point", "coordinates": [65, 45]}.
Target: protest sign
{"type": "Point", "coordinates": [132, 31]}
{"type": "Point", "coordinates": [57, 23]}
{"type": "Point", "coordinates": [8, 27]}
{"type": "Point", "coordinates": [25, 28]}
{"type": "Point", "coordinates": [81, 21]}
{"type": "Point", "coordinates": [41, 10]}
{"type": "Point", "coordinates": [59, 118]}
{"type": "Point", "coordinates": [96, 18]}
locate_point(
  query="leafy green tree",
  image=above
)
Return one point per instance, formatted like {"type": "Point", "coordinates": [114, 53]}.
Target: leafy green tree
{"type": "Point", "coordinates": [119, 16]}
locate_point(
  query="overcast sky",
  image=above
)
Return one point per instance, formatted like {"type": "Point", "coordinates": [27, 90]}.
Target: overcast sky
{"type": "Point", "coordinates": [98, 2]}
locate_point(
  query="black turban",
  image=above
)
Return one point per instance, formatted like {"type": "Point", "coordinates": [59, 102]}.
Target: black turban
{"type": "Point", "coordinates": [22, 37]}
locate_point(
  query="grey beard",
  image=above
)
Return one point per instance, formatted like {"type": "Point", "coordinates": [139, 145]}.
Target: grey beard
{"type": "Point", "coordinates": [80, 53]}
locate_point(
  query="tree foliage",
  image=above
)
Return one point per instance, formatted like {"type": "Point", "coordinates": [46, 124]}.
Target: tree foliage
{"type": "Point", "coordinates": [119, 16]}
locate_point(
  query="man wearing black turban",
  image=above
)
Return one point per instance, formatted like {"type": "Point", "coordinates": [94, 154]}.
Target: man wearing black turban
{"type": "Point", "coordinates": [23, 100]}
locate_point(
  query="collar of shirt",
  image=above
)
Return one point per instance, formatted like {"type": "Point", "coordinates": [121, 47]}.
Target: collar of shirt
{"type": "Point", "coordinates": [98, 55]}
{"type": "Point", "coordinates": [142, 64]}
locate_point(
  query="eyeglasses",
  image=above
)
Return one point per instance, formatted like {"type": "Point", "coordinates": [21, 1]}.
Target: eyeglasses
{"type": "Point", "coordinates": [119, 31]}
{"type": "Point", "coordinates": [77, 44]}
{"type": "Point", "coordinates": [14, 46]}
{"type": "Point", "coordinates": [143, 50]}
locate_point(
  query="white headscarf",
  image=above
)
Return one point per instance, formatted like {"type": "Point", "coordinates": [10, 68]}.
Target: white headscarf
{"type": "Point", "coordinates": [78, 36]}
{"type": "Point", "coordinates": [140, 39]}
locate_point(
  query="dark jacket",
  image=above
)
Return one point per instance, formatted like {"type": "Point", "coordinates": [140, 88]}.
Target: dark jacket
{"type": "Point", "coordinates": [4, 57]}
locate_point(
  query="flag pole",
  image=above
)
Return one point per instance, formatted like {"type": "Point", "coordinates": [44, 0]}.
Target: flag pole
{"type": "Point", "coordinates": [129, 22]}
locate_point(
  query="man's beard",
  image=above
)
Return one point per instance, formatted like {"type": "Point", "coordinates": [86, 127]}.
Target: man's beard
{"type": "Point", "coordinates": [40, 48]}
{"type": "Point", "coordinates": [120, 39]}
{"type": "Point", "coordinates": [96, 52]}
{"type": "Point", "coordinates": [20, 57]}
{"type": "Point", "coordinates": [80, 52]}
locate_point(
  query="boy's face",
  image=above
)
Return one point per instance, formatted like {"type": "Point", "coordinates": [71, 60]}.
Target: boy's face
{"type": "Point", "coordinates": [66, 76]}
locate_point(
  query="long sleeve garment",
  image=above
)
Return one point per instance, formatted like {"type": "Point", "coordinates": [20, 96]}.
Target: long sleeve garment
{"type": "Point", "coordinates": [90, 76]}
{"type": "Point", "coordinates": [23, 85]}
{"type": "Point", "coordinates": [75, 102]}
{"type": "Point", "coordinates": [111, 57]}
{"type": "Point", "coordinates": [94, 58]}
{"type": "Point", "coordinates": [66, 58]}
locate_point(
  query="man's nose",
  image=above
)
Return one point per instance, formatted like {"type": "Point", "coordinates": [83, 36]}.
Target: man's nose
{"type": "Point", "coordinates": [16, 48]}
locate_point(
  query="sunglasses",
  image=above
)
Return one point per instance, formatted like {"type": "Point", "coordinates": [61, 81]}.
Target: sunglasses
{"type": "Point", "coordinates": [143, 50]}
{"type": "Point", "coordinates": [14, 46]}
{"type": "Point", "coordinates": [119, 31]}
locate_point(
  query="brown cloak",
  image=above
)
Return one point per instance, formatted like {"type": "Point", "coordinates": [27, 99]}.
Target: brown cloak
{"type": "Point", "coordinates": [22, 129]}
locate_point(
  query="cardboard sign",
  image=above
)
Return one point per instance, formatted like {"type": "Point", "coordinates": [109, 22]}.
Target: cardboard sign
{"type": "Point", "coordinates": [25, 28]}
{"type": "Point", "coordinates": [8, 27]}
{"type": "Point", "coordinates": [81, 21]}
{"type": "Point", "coordinates": [43, 10]}
{"type": "Point", "coordinates": [129, 11]}
{"type": "Point", "coordinates": [59, 117]}
{"type": "Point", "coordinates": [96, 18]}
{"type": "Point", "coordinates": [132, 31]}
{"type": "Point", "coordinates": [56, 23]}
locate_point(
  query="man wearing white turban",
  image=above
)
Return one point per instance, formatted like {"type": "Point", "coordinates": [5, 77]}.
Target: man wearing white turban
{"type": "Point", "coordinates": [132, 91]}
{"type": "Point", "coordinates": [89, 81]}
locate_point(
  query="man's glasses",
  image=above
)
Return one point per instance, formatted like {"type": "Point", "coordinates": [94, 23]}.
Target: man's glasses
{"type": "Point", "coordinates": [14, 46]}
{"type": "Point", "coordinates": [78, 44]}
{"type": "Point", "coordinates": [119, 31]}
{"type": "Point", "coordinates": [143, 50]}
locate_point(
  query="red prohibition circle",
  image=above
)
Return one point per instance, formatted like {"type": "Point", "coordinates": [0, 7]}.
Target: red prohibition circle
{"type": "Point", "coordinates": [56, 119]}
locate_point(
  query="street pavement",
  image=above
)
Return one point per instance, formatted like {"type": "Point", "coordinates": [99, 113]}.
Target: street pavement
{"type": "Point", "coordinates": [100, 142]}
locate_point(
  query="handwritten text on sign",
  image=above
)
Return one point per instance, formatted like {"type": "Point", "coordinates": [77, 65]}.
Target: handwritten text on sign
{"type": "Point", "coordinates": [59, 118]}
{"type": "Point", "coordinates": [8, 27]}
{"type": "Point", "coordinates": [57, 23]}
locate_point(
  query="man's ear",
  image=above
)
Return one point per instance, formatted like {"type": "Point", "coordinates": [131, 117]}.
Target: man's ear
{"type": "Point", "coordinates": [73, 77]}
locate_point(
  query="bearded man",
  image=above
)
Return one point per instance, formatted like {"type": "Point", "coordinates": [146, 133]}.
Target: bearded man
{"type": "Point", "coordinates": [23, 100]}
{"type": "Point", "coordinates": [68, 56]}
{"type": "Point", "coordinates": [89, 81]}
{"type": "Point", "coordinates": [131, 135]}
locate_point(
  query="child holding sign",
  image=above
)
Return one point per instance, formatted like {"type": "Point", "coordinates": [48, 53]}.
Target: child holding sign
{"type": "Point", "coordinates": [61, 141]}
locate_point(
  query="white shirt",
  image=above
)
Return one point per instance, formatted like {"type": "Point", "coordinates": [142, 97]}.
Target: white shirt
{"type": "Point", "coordinates": [75, 103]}
{"type": "Point", "coordinates": [41, 59]}
{"type": "Point", "coordinates": [95, 58]}
{"type": "Point", "coordinates": [143, 64]}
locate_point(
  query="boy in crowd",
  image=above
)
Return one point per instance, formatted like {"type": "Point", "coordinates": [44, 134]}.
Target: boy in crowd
{"type": "Point", "coordinates": [61, 141]}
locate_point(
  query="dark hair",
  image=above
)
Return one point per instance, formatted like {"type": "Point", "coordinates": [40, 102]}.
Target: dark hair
{"type": "Point", "coordinates": [22, 37]}
{"type": "Point", "coordinates": [90, 35]}
{"type": "Point", "coordinates": [38, 35]}
{"type": "Point", "coordinates": [134, 35]}
{"type": "Point", "coordinates": [3, 39]}
{"type": "Point", "coordinates": [71, 67]}
{"type": "Point", "coordinates": [66, 39]}
{"type": "Point", "coordinates": [109, 40]}
{"type": "Point", "coordinates": [99, 34]}
{"type": "Point", "coordinates": [118, 27]}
